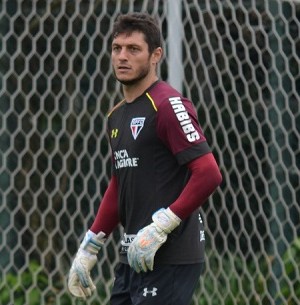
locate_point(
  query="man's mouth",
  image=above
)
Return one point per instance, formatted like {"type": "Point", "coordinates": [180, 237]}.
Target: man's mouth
{"type": "Point", "coordinates": [123, 68]}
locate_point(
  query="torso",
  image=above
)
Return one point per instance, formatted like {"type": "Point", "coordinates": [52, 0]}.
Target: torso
{"type": "Point", "coordinates": [150, 144]}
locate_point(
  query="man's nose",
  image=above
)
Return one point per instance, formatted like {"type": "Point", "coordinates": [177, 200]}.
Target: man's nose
{"type": "Point", "coordinates": [123, 54]}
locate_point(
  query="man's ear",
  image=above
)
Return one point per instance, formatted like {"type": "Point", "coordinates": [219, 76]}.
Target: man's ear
{"type": "Point", "coordinates": [157, 55]}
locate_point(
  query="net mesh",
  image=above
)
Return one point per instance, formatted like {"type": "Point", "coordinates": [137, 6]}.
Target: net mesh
{"type": "Point", "coordinates": [241, 69]}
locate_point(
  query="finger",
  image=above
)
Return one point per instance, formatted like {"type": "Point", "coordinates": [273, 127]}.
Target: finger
{"type": "Point", "coordinates": [135, 263]}
{"type": "Point", "coordinates": [75, 287]}
{"type": "Point", "coordinates": [78, 292]}
{"type": "Point", "coordinates": [131, 256]}
{"type": "Point", "coordinates": [133, 259]}
{"type": "Point", "coordinates": [149, 262]}
{"type": "Point", "coordinates": [87, 292]}
{"type": "Point", "coordinates": [92, 285]}
{"type": "Point", "coordinates": [84, 277]}
{"type": "Point", "coordinates": [142, 264]}
{"type": "Point", "coordinates": [137, 267]}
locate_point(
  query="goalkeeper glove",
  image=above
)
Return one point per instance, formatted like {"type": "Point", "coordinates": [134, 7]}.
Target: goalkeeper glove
{"type": "Point", "coordinates": [80, 283]}
{"type": "Point", "coordinates": [143, 248]}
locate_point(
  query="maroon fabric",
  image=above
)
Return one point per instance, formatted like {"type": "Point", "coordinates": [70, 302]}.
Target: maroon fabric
{"type": "Point", "coordinates": [205, 177]}
{"type": "Point", "coordinates": [177, 121]}
{"type": "Point", "coordinates": [107, 217]}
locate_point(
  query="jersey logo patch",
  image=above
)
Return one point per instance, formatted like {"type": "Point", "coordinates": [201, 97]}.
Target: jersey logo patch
{"type": "Point", "coordinates": [136, 126]}
{"type": "Point", "coordinates": [114, 133]}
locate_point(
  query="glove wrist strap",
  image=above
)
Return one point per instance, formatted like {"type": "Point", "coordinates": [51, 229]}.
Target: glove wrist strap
{"type": "Point", "coordinates": [92, 242]}
{"type": "Point", "coordinates": [166, 220]}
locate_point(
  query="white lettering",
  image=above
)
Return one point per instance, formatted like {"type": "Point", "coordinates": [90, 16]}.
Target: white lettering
{"type": "Point", "coordinates": [178, 107]}
{"type": "Point", "coordinates": [122, 159]}
{"type": "Point", "coordinates": [182, 123]}
{"type": "Point", "coordinates": [188, 128]}
{"type": "Point", "coordinates": [175, 100]}
{"type": "Point", "coordinates": [120, 154]}
{"type": "Point", "coordinates": [192, 137]}
{"type": "Point", "coordinates": [128, 238]}
{"type": "Point", "coordinates": [183, 117]}
{"type": "Point", "coordinates": [126, 241]}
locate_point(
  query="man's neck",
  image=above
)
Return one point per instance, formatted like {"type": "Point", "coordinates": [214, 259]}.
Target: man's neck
{"type": "Point", "coordinates": [131, 92]}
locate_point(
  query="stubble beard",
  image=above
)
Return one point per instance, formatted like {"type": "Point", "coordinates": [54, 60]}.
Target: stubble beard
{"type": "Point", "coordinates": [144, 72]}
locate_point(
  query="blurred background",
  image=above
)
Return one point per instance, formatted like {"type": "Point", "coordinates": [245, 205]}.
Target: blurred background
{"type": "Point", "coordinates": [238, 61]}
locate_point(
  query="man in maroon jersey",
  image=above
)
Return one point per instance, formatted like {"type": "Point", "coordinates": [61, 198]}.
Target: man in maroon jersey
{"type": "Point", "coordinates": [162, 172]}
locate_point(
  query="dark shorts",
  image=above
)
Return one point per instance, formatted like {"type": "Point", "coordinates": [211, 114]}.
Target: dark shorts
{"type": "Point", "coordinates": [165, 285]}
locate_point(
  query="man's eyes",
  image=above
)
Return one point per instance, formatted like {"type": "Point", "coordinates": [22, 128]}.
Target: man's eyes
{"type": "Point", "coordinates": [129, 48]}
{"type": "Point", "coordinates": [133, 48]}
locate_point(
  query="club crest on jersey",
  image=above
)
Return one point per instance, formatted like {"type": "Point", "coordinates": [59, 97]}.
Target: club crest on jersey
{"type": "Point", "coordinates": [136, 126]}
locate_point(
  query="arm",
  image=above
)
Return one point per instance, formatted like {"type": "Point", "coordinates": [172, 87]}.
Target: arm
{"type": "Point", "coordinates": [205, 178]}
{"type": "Point", "coordinates": [107, 217]}
{"type": "Point", "coordinates": [80, 283]}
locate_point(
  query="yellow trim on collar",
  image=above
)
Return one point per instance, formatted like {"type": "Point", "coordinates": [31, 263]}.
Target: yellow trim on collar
{"type": "Point", "coordinates": [151, 100]}
{"type": "Point", "coordinates": [115, 107]}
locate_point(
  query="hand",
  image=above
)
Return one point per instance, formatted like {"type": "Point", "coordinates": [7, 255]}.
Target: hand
{"type": "Point", "coordinates": [80, 282]}
{"type": "Point", "coordinates": [143, 248]}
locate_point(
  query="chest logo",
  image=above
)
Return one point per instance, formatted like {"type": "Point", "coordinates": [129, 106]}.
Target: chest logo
{"type": "Point", "coordinates": [136, 126]}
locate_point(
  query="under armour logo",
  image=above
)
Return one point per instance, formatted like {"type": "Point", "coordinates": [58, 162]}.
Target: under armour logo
{"type": "Point", "coordinates": [152, 292]}
{"type": "Point", "coordinates": [114, 133]}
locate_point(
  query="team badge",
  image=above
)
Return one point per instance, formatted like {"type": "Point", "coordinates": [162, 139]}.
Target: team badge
{"type": "Point", "coordinates": [136, 126]}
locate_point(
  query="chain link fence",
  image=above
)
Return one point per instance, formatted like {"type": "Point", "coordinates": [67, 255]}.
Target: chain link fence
{"type": "Point", "coordinates": [240, 63]}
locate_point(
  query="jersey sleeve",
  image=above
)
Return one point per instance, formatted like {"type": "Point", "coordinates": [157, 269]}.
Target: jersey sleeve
{"type": "Point", "coordinates": [107, 217]}
{"type": "Point", "coordinates": [205, 178]}
{"type": "Point", "coordinates": [179, 129]}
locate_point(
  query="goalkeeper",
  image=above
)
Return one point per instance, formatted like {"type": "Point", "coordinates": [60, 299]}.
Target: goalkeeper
{"type": "Point", "coordinates": [162, 172]}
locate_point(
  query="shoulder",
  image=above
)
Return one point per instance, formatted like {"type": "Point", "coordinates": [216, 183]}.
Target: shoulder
{"type": "Point", "coordinates": [117, 106]}
{"type": "Point", "coordinates": [161, 93]}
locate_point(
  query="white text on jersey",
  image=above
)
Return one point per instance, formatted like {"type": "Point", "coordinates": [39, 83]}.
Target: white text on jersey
{"type": "Point", "coordinates": [184, 119]}
{"type": "Point", "coordinates": [122, 159]}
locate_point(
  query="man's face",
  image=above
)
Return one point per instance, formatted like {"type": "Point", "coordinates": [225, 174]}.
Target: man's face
{"type": "Point", "coordinates": [130, 58]}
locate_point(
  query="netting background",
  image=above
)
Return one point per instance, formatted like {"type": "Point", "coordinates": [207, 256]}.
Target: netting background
{"type": "Point", "coordinates": [241, 69]}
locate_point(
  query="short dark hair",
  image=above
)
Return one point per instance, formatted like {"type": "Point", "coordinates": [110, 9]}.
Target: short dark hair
{"type": "Point", "coordinates": [140, 22]}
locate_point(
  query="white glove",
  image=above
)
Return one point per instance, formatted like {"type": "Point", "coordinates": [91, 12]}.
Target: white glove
{"type": "Point", "coordinates": [143, 248]}
{"type": "Point", "coordinates": [80, 283]}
